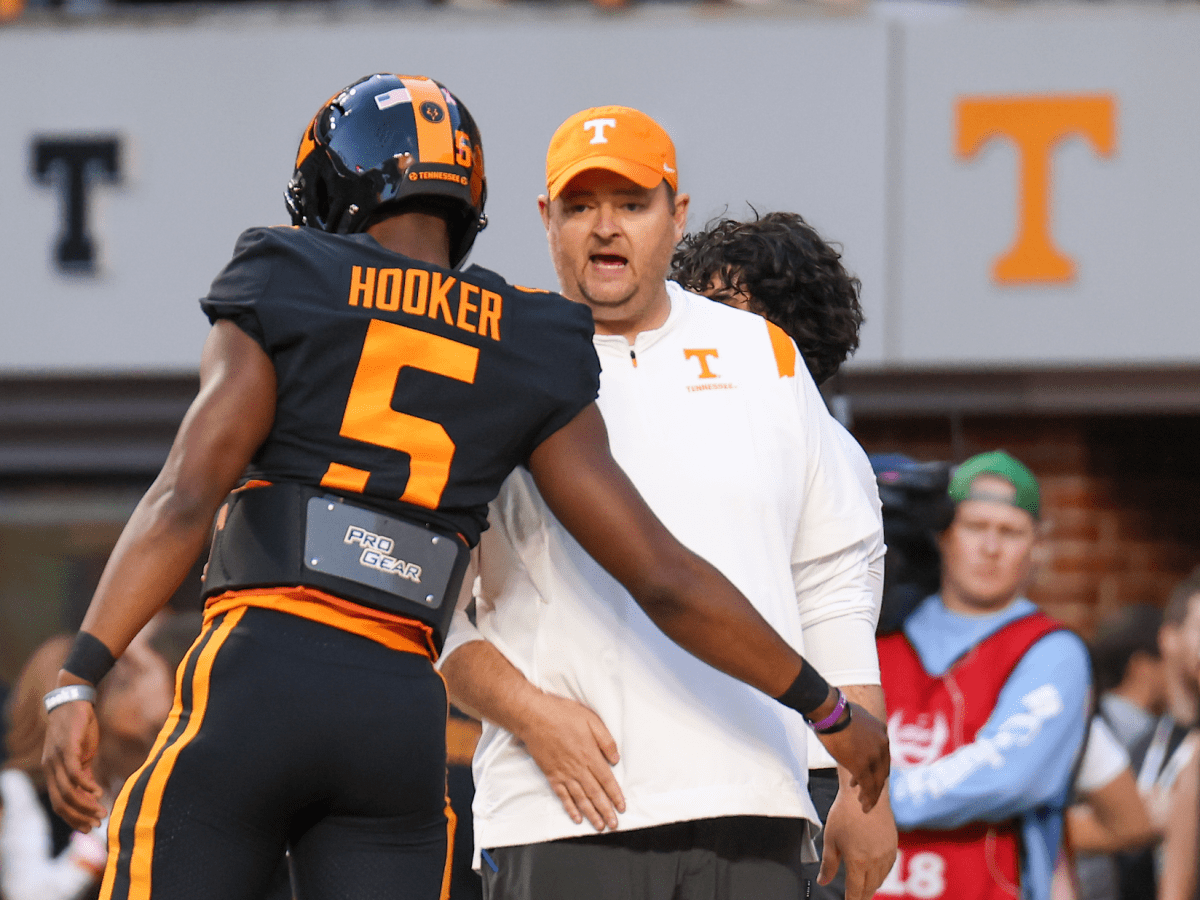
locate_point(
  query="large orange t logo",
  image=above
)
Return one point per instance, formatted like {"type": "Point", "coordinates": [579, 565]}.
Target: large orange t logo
{"type": "Point", "coordinates": [1035, 124]}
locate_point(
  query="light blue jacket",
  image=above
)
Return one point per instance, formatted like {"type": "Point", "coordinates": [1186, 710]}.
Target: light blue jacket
{"type": "Point", "coordinates": [1022, 761]}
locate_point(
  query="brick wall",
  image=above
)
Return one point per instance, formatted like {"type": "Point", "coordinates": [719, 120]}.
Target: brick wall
{"type": "Point", "coordinates": [1120, 494]}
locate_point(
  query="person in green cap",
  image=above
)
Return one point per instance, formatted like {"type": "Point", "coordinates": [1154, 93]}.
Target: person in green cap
{"type": "Point", "coordinates": [987, 700]}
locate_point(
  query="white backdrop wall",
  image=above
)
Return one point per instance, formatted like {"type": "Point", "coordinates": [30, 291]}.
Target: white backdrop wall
{"type": "Point", "coordinates": [1130, 221]}
{"type": "Point", "coordinates": [850, 121]}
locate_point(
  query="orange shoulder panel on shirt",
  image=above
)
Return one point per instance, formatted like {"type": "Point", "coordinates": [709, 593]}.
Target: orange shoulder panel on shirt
{"type": "Point", "coordinates": [785, 350]}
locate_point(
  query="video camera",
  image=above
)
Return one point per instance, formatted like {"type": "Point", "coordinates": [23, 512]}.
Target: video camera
{"type": "Point", "coordinates": [916, 509]}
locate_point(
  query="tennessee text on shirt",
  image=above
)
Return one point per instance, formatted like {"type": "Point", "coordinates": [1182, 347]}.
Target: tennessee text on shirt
{"type": "Point", "coordinates": [421, 292]}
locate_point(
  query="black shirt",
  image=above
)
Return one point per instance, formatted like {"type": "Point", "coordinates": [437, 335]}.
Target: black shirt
{"type": "Point", "coordinates": [418, 387]}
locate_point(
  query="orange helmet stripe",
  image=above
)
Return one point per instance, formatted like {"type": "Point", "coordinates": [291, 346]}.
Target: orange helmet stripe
{"type": "Point", "coordinates": [435, 140]}
{"type": "Point", "coordinates": [307, 144]}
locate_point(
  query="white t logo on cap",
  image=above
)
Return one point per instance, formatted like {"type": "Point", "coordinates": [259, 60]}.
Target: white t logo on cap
{"type": "Point", "coordinates": [599, 125]}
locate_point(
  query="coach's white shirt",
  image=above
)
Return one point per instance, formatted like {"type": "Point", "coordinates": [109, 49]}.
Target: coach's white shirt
{"type": "Point", "coordinates": [716, 420]}
{"type": "Point", "coordinates": [860, 463]}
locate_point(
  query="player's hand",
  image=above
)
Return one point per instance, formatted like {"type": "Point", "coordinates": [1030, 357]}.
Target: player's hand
{"type": "Point", "coordinates": [865, 842]}
{"type": "Point", "coordinates": [862, 748]}
{"type": "Point", "coordinates": [576, 753]}
{"type": "Point", "coordinates": [72, 736]}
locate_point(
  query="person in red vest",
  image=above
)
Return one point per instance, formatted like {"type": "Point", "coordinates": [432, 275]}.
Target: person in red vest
{"type": "Point", "coordinates": [987, 701]}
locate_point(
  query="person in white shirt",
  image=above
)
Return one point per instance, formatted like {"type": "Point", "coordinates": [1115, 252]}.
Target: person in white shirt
{"type": "Point", "coordinates": [778, 266]}
{"type": "Point", "coordinates": [1107, 815]}
{"type": "Point", "coordinates": [1130, 672]}
{"type": "Point", "coordinates": [593, 720]}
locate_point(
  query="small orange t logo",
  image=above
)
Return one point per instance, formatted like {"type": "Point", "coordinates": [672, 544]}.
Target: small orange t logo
{"type": "Point", "coordinates": [702, 355]}
{"type": "Point", "coordinates": [1035, 124]}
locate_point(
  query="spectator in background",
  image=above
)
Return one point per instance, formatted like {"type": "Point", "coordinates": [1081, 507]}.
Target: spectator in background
{"type": "Point", "coordinates": [41, 858]}
{"type": "Point", "coordinates": [778, 266]}
{"type": "Point", "coordinates": [1108, 815]}
{"type": "Point", "coordinates": [1177, 875]}
{"type": "Point", "coordinates": [1165, 761]}
{"type": "Point", "coordinates": [987, 702]}
{"type": "Point", "coordinates": [1130, 673]}
{"type": "Point", "coordinates": [1179, 643]}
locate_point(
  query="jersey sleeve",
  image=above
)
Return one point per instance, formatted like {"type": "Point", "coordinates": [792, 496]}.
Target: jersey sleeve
{"type": "Point", "coordinates": [571, 372]}
{"type": "Point", "coordinates": [584, 387]}
{"type": "Point", "coordinates": [236, 292]}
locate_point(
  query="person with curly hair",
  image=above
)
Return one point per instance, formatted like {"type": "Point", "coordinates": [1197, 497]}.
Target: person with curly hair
{"type": "Point", "coordinates": [778, 266]}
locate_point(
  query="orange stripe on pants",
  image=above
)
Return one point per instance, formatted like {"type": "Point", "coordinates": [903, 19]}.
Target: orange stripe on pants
{"type": "Point", "coordinates": [160, 763]}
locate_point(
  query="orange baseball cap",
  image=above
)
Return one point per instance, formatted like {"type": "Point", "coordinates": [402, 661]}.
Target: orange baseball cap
{"type": "Point", "coordinates": [615, 138]}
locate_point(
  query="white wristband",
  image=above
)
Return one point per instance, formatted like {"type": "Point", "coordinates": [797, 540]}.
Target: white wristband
{"type": "Point", "coordinates": [90, 851]}
{"type": "Point", "coordinates": [59, 696]}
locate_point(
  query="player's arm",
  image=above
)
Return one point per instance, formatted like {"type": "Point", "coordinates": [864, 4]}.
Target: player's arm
{"type": "Point", "coordinates": [1022, 757]}
{"type": "Point", "coordinates": [168, 530]}
{"type": "Point", "coordinates": [683, 595]}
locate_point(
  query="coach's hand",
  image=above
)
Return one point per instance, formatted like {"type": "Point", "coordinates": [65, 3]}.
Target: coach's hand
{"type": "Point", "coordinates": [864, 842]}
{"type": "Point", "coordinates": [72, 736]}
{"type": "Point", "coordinates": [863, 749]}
{"type": "Point", "coordinates": [576, 753]}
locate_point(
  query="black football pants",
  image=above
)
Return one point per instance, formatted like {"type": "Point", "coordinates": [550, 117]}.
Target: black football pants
{"type": "Point", "coordinates": [290, 734]}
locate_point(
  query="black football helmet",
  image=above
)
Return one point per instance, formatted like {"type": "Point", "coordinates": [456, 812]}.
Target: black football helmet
{"type": "Point", "coordinates": [384, 140]}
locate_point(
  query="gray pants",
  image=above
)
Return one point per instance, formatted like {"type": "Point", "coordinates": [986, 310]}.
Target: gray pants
{"type": "Point", "coordinates": [727, 858]}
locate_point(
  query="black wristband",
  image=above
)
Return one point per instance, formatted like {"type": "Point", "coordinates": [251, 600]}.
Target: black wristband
{"type": "Point", "coordinates": [89, 659]}
{"type": "Point", "coordinates": [807, 692]}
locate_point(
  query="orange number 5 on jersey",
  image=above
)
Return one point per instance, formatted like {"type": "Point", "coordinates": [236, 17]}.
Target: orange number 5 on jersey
{"type": "Point", "coordinates": [369, 417]}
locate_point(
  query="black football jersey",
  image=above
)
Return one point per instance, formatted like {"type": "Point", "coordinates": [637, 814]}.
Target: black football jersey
{"type": "Point", "coordinates": [417, 387]}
